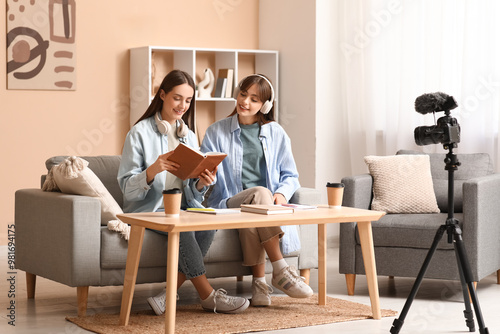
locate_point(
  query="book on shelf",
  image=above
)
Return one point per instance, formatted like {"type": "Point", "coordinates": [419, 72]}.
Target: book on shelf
{"type": "Point", "coordinates": [220, 87]}
{"type": "Point", "coordinates": [266, 209]}
{"type": "Point", "coordinates": [213, 211]}
{"type": "Point", "coordinates": [228, 74]}
{"type": "Point", "coordinates": [193, 162]}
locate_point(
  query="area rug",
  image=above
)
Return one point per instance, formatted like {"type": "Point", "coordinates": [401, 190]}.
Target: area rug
{"type": "Point", "coordinates": [285, 312]}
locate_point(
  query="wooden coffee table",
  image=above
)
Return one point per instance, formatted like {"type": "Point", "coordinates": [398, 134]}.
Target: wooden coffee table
{"type": "Point", "coordinates": [190, 221]}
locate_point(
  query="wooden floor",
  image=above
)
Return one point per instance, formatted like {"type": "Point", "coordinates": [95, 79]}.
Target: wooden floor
{"type": "Point", "coordinates": [438, 307]}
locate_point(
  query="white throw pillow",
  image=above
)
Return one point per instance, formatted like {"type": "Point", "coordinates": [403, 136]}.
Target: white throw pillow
{"type": "Point", "coordinates": [72, 176]}
{"type": "Point", "coordinates": [402, 184]}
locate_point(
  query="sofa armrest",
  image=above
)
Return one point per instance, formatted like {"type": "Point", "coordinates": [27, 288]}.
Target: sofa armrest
{"type": "Point", "coordinates": [306, 196]}
{"type": "Point", "coordinates": [357, 194]}
{"type": "Point", "coordinates": [481, 229]}
{"type": "Point", "coordinates": [358, 191]}
{"type": "Point", "coordinates": [58, 236]}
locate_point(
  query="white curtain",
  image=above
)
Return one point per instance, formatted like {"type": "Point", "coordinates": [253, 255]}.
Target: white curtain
{"type": "Point", "coordinates": [394, 51]}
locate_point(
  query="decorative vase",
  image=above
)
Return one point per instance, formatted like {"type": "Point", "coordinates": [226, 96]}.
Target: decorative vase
{"type": "Point", "coordinates": [206, 85]}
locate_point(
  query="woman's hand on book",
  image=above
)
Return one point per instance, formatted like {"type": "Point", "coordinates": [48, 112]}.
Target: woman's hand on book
{"type": "Point", "coordinates": [206, 178]}
{"type": "Point", "coordinates": [161, 164]}
{"type": "Point", "coordinates": [279, 198]}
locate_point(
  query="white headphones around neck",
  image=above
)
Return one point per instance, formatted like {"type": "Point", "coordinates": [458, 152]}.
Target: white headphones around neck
{"type": "Point", "coordinates": [164, 127]}
{"type": "Point", "coordinates": [267, 106]}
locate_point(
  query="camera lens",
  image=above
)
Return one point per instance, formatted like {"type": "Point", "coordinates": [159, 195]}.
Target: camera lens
{"type": "Point", "coordinates": [426, 135]}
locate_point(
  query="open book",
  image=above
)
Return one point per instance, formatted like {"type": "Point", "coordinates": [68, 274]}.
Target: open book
{"type": "Point", "coordinates": [193, 162]}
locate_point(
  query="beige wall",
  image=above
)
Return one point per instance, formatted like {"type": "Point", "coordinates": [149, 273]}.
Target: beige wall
{"type": "Point", "coordinates": [94, 119]}
{"type": "Point", "coordinates": [295, 39]}
{"type": "Point", "coordinates": [310, 92]}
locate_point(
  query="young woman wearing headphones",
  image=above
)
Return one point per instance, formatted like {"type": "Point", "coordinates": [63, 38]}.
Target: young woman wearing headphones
{"type": "Point", "coordinates": [144, 174]}
{"type": "Point", "coordinates": [259, 169]}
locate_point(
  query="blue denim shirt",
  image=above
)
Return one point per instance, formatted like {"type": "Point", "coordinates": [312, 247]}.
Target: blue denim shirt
{"type": "Point", "coordinates": [143, 144]}
{"type": "Point", "coordinates": [281, 172]}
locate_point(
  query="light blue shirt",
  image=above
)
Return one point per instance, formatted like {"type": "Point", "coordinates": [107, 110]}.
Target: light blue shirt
{"type": "Point", "coordinates": [281, 172]}
{"type": "Point", "coordinates": [143, 144]}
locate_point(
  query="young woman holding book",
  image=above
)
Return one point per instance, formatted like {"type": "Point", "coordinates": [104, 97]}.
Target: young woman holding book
{"type": "Point", "coordinates": [145, 172]}
{"type": "Point", "coordinates": [259, 169]}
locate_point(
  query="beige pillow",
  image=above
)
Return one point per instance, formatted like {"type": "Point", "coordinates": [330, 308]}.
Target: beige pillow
{"type": "Point", "coordinates": [72, 176]}
{"type": "Point", "coordinates": [402, 184]}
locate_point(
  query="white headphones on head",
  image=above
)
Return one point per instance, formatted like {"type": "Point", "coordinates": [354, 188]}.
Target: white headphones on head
{"type": "Point", "coordinates": [267, 106]}
{"type": "Point", "coordinates": [164, 127]}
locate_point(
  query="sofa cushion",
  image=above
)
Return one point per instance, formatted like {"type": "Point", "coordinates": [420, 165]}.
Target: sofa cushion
{"type": "Point", "coordinates": [72, 176]}
{"type": "Point", "coordinates": [225, 248]}
{"type": "Point", "coordinates": [410, 231]}
{"type": "Point", "coordinates": [471, 165]}
{"type": "Point", "coordinates": [104, 166]}
{"type": "Point", "coordinates": [224, 251]}
{"type": "Point", "coordinates": [402, 184]}
{"type": "Point", "coordinates": [114, 250]}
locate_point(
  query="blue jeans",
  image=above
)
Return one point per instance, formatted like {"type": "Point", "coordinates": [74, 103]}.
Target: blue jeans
{"type": "Point", "coordinates": [193, 246]}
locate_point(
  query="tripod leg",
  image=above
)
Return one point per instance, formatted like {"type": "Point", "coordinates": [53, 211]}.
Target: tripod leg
{"type": "Point", "coordinates": [462, 255]}
{"type": "Point", "coordinates": [398, 323]}
{"type": "Point", "coordinates": [469, 316]}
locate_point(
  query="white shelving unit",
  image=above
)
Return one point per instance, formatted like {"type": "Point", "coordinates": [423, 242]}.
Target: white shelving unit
{"type": "Point", "coordinates": [149, 65]}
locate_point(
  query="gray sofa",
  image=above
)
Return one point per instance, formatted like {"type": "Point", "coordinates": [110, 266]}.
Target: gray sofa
{"type": "Point", "coordinates": [61, 237]}
{"type": "Point", "coordinates": [402, 241]}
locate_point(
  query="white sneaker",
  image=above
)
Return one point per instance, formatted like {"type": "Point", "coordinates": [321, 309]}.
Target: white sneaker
{"type": "Point", "coordinates": [261, 293]}
{"type": "Point", "coordinates": [288, 281]}
{"type": "Point", "coordinates": [158, 302]}
{"type": "Point", "coordinates": [220, 302]}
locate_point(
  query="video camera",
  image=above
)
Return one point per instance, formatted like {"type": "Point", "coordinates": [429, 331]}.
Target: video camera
{"type": "Point", "coordinates": [447, 130]}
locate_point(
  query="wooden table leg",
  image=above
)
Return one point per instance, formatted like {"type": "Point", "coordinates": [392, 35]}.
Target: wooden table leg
{"type": "Point", "coordinates": [172, 272]}
{"type": "Point", "coordinates": [132, 266]}
{"type": "Point", "coordinates": [366, 239]}
{"type": "Point", "coordinates": [321, 264]}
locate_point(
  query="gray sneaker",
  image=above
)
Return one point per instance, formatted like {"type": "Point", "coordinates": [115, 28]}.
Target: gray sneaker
{"type": "Point", "coordinates": [288, 281]}
{"type": "Point", "coordinates": [261, 293]}
{"type": "Point", "coordinates": [220, 302]}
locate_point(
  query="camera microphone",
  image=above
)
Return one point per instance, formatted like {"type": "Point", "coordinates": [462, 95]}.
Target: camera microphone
{"type": "Point", "coordinates": [447, 130]}
{"type": "Point", "coordinates": [433, 102]}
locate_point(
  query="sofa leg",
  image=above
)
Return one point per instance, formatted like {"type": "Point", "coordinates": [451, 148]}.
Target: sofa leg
{"type": "Point", "coordinates": [350, 280]}
{"type": "Point", "coordinates": [306, 273]}
{"type": "Point", "coordinates": [498, 276]}
{"type": "Point", "coordinates": [30, 285]}
{"type": "Point", "coordinates": [82, 296]}
{"type": "Point", "coordinates": [239, 278]}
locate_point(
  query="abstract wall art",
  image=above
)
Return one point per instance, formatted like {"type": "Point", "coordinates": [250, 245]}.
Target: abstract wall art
{"type": "Point", "coordinates": [41, 44]}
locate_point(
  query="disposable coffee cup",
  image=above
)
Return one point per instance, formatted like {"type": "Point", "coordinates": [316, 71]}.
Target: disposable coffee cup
{"type": "Point", "coordinates": [335, 192]}
{"type": "Point", "coordinates": [172, 202]}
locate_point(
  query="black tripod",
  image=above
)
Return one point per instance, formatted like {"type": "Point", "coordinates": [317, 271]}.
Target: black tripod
{"type": "Point", "coordinates": [454, 234]}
